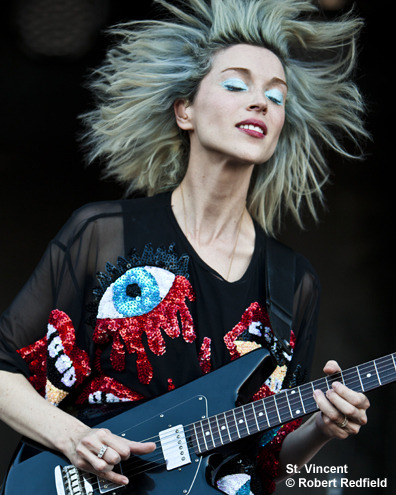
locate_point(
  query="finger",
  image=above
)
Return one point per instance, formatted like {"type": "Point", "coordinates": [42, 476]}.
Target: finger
{"type": "Point", "coordinates": [327, 407]}
{"type": "Point", "coordinates": [86, 456]}
{"type": "Point", "coordinates": [123, 446]}
{"type": "Point", "coordinates": [357, 399]}
{"type": "Point", "coordinates": [329, 419]}
{"type": "Point", "coordinates": [351, 404]}
{"type": "Point", "coordinates": [112, 476]}
{"type": "Point", "coordinates": [331, 367]}
{"type": "Point", "coordinates": [141, 447]}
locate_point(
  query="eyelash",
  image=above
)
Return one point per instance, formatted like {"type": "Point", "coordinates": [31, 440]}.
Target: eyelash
{"type": "Point", "coordinates": [238, 85]}
{"type": "Point", "coordinates": [278, 99]}
{"type": "Point", "coordinates": [234, 85]}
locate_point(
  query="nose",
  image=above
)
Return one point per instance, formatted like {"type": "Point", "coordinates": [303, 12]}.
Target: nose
{"type": "Point", "coordinates": [259, 105]}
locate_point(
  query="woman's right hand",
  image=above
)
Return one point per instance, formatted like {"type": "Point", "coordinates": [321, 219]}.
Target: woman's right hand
{"type": "Point", "coordinates": [85, 447]}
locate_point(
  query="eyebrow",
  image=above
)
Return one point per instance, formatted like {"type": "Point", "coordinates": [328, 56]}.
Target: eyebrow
{"type": "Point", "coordinates": [274, 80]}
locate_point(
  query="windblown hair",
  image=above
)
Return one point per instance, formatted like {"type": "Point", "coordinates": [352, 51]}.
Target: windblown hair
{"type": "Point", "coordinates": [158, 61]}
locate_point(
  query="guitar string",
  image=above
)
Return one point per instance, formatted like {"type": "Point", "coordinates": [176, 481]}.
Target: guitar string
{"type": "Point", "coordinates": [217, 438]}
{"type": "Point", "coordinates": [147, 468]}
{"type": "Point", "coordinates": [345, 374]}
{"type": "Point", "coordinates": [321, 381]}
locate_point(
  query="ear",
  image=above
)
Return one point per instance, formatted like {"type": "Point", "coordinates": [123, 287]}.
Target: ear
{"type": "Point", "coordinates": [183, 114]}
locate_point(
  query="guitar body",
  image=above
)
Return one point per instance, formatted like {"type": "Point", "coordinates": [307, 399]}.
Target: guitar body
{"type": "Point", "coordinates": [209, 395]}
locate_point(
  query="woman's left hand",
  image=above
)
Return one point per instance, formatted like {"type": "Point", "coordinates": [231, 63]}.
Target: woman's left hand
{"type": "Point", "coordinates": [343, 411]}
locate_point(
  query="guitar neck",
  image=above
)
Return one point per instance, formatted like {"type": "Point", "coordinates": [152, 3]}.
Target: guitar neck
{"type": "Point", "coordinates": [264, 414]}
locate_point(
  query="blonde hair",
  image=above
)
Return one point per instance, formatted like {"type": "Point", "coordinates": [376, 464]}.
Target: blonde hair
{"type": "Point", "coordinates": [158, 61]}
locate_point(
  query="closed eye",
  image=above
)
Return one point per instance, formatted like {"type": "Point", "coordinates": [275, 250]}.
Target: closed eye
{"type": "Point", "coordinates": [234, 84]}
{"type": "Point", "coordinates": [275, 95]}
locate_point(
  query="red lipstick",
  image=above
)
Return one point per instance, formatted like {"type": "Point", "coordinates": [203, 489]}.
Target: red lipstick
{"type": "Point", "coordinates": [253, 127]}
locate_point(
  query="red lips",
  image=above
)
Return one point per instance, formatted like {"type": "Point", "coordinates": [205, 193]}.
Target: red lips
{"type": "Point", "coordinates": [253, 127]}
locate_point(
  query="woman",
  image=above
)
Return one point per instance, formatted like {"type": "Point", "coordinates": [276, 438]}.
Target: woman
{"type": "Point", "coordinates": [220, 121]}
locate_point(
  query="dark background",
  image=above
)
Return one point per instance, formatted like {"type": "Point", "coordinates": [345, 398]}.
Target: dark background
{"type": "Point", "coordinates": [47, 48]}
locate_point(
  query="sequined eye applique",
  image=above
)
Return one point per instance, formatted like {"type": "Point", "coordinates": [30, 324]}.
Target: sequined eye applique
{"type": "Point", "coordinates": [136, 292]}
{"type": "Point", "coordinates": [143, 300]}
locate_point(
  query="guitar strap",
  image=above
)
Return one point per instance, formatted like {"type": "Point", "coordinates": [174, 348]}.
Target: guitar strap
{"type": "Point", "coordinates": [280, 266]}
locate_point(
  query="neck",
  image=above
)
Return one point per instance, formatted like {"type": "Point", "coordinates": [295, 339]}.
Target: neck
{"type": "Point", "coordinates": [212, 213]}
{"type": "Point", "coordinates": [213, 203]}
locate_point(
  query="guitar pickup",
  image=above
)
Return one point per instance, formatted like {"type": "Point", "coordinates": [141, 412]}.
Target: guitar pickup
{"type": "Point", "coordinates": [174, 447]}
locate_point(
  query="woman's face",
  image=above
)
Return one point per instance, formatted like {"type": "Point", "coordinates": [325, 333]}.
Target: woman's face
{"type": "Point", "coordinates": [239, 109]}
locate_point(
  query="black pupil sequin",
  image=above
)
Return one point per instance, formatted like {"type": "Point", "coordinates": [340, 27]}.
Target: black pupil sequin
{"type": "Point", "coordinates": [133, 290]}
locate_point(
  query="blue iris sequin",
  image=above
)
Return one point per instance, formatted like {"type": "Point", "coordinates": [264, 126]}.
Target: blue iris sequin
{"type": "Point", "coordinates": [245, 489]}
{"type": "Point", "coordinates": [136, 293]}
{"type": "Point", "coordinates": [268, 436]}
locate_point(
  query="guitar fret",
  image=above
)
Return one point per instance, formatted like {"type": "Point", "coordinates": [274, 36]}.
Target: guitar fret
{"type": "Point", "coordinates": [277, 410]}
{"type": "Point", "coordinates": [307, 397]}
{"type": "Point", "coordinates": [288, 405]}
{"type": "Point", "coordinates": [352, 380]}
{"type": "Point", "coordinates": [324, 384]}
{"type": "Point", "coordinates": [232, 425]}
{"type": "Point", "coordinates": [215, 433]}
{"type": "Point", "coordinates": [250, 418]}
{"type": "Point", "coordinates": [394, 362]}
{"type": "Point", "coordinates": [272, 413]}
{"type": "Point", "coordinates": [261, 417]}
{"type": "Point", "coordinates": [246, 423]}
{"type": "Point", "coordinates": [369, 376]}
{"type": "Point", "coordinates": [197, 438]}
{"type": "Point", "coordinates": [281, 406]}
{"type": "Point", "coordinates": [360, 379]}
{"type": "Point", "coordinates": [241, 422]}
{"type": "Point", "coordinates": [255, 417]}
{"type": "Point", "coordinates": [223, 428]}
{"type": "Point", "coordinates": [295, 401]}
{"type": "Point", "coordinates": [376, 370]}
{"type": "Point", "coordinates": [266, 413]}
{"type": "Point", "coordinates": [204, 436]}
{"type": "Point", "coordinates": [218, 429]}
{"type": "Point", "coordinates": [385, 369]}
{"type": "Point", "coordinates": [228, 430]}
{"type": "Point", "coordinates": [301, 400]}
{"type": "Point", "coordinates": [236, 424]}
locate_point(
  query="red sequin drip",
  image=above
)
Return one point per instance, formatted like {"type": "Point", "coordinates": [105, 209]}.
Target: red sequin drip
{"type": "Point", "coordinates": [127, 332]}
{"type": "Point", "coordinates": [253, 313]}
{"type": "Point", "coordinates": [35, 356]}
{"type": "Point", "coordinates": [171, 385]}
{"type": "Point", "coordinates": [204, 355]}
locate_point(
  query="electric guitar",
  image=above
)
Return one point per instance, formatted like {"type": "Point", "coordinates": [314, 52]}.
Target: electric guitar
{"type": "Point", "coordinates": [189, 424]}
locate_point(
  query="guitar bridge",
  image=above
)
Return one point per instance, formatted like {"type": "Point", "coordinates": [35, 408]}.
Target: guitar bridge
{"type": "Point", "coordinates": [71, 481]}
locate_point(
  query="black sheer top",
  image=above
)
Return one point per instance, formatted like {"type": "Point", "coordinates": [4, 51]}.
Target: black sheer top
{"type": "Point", "coordinates": [147, 314]}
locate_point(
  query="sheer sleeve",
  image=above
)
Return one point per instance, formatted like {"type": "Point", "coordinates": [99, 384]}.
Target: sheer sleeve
{"type": "Point", "coordinates": [60, 281]}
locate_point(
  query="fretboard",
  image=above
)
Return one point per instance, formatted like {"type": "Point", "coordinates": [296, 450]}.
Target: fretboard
{"type": "Point", "coordinates": [264, 414]}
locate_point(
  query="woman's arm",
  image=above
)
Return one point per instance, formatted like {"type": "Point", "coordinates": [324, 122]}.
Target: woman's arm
{"type": "Point", "coordinates": [342, 413]}
{"type": "Point", "coordinates": [24, 410]}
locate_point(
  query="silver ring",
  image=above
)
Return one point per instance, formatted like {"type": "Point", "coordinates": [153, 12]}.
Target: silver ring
{"type": "Point", "coordinates": [344, 423]}
{"type": "Point", "coordinates": [102, 451]}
